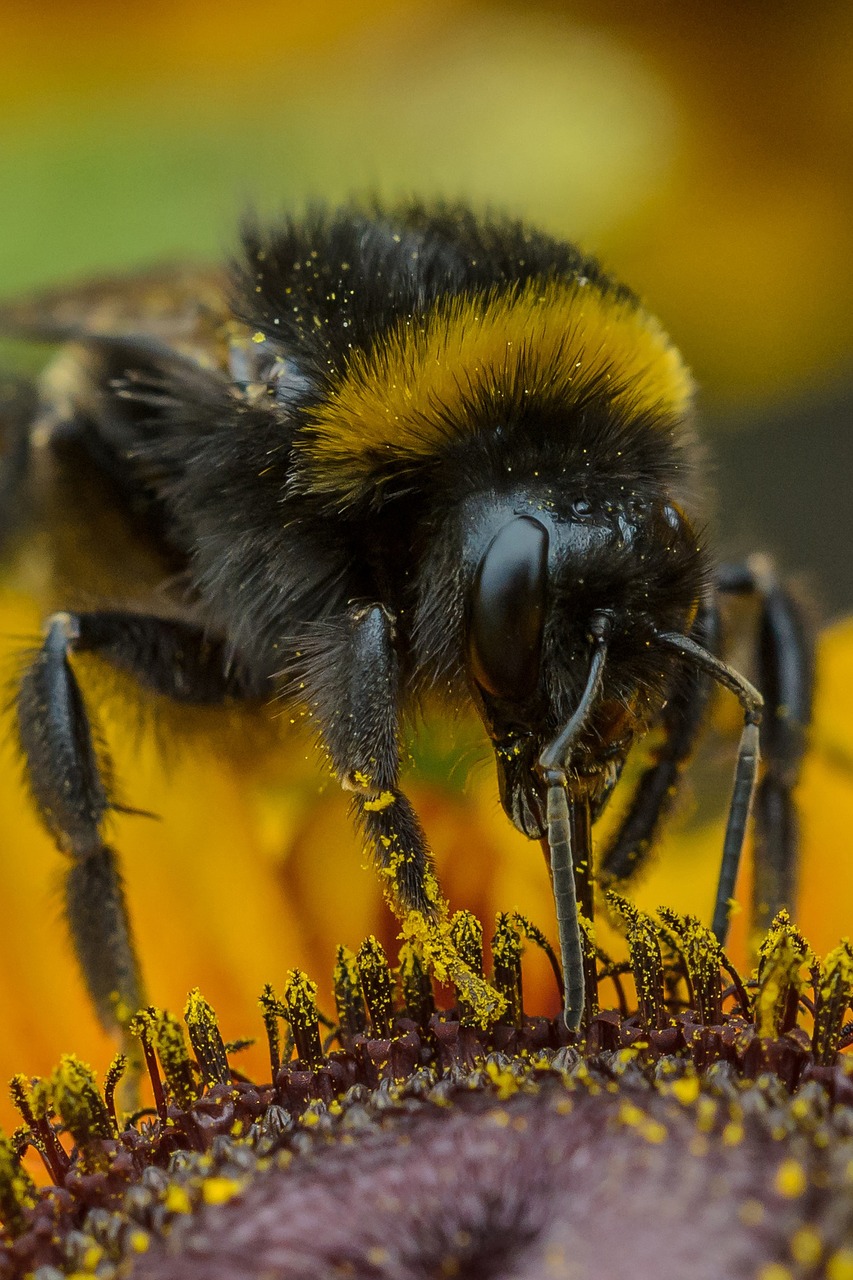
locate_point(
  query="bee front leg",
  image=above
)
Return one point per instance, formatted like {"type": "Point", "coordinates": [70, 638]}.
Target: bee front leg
{"type": "Point", "coordinates": [69, 772]}
{"type": "Point", "coordinates": [69, 778]}
{"type": "Point", "coordinates": [353, 684]}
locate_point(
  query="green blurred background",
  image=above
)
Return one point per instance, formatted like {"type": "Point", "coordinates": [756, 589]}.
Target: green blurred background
{"type": "Point", "coordinates": [704, 151]}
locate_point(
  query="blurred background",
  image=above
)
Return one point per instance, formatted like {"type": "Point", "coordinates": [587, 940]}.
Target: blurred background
{"type": "Point", "coordinates": [703, 151]}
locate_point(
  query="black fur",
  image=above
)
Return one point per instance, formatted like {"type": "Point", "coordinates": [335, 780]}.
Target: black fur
{"type": "Point", "coordinates": [320, 285]}
{"type": "Point", "coordinates": [358, 607]}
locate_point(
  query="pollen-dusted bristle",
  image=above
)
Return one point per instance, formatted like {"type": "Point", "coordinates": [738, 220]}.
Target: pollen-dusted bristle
{"type": "Point", "coordinates": [112, 1079]}
{"type": "Point", "coordinates": [206, 1041]}
{"type": "Point", "coordinates": [20, 1089]}
{"type": "Point", "coordinates": [647, 967]}
{"type": "Point", "coordinates": [377, 982]}
{"type": "Point", "coordinates": [415, 985]}
{"type": "Point", "coordinates": [300, 1002]}
{"type": "Point", "coordinates": [143, 1026]}
{"type": "Point", "coordinates": [466, 934]}
{"type": "Point", "coordinates": [17, 1189]}
{"type": "Point", "coordinates": [646, 961]}
{"type": "Point", "coordinates": [834, 994]}
{"type": "Point", "coordinates": [81, 1107]}
{"type": "Point", "coordinates": [175, 1059]}
{"type": "Point", "coordinates": [238, 1045]}
{"type": "Point", "coordinates": [271, 1011]}
{"type": "Point", "coordinates": [34, 1101]}
{"type": "Point", "coordinates": [702, 956]}
{"type": "Point", "coordinates": [591, 954]}
{"type": "Point", "coordinates": [506, 966]}
{"type": "Point", "coordinates": [781, 958]}
{"type": "Point", "coordinates": [535, 935]}
{"type": "Point", "coordinates": [446, 965]}
{"type": "Point", "coordinates": [349, 997]}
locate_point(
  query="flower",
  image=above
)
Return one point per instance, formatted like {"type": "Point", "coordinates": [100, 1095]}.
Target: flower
{"type": "Point", "coordinates": [708, 1133]}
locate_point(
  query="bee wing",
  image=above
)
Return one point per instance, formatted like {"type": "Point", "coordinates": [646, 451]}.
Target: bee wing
{"type": "Point", "coordinates": [181, 307]}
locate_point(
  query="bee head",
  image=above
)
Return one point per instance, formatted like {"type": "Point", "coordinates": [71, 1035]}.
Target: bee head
{"type": "Point", "coordinates": [547, 590]}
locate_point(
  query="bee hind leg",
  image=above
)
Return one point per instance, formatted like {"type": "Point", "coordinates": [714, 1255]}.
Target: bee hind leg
{"type": "Point", "coordinates": [785, 676]}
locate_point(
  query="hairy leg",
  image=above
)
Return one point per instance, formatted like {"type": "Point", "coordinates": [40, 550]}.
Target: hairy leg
{"type": "Point", "coordinates": [70, 776]}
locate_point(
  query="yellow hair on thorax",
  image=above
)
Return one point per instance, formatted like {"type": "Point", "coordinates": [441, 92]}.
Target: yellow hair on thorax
{"type": "Point", "coordinates": [408, 395]}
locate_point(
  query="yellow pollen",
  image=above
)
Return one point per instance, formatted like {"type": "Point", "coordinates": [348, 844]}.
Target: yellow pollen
{"type": "Point", "coordinates": [791, 1179]}
{"type": "Point", "coordinates": [732, 1134]}
{"type": "Point", "coordinates": [840, 1265]}
{"type": "Point", "coordinates": [176, 1200]}
{"type": "Point", "coordinates": [806, 1246]}
{"type": "Point", "coordinates": [411, 393]}
{"type": "Point", "coordinates": [219, 1190]}
{"type": "Point", "coordinates": [686, 1090]}
{"type": "Point", "coordinates": [383, 801]}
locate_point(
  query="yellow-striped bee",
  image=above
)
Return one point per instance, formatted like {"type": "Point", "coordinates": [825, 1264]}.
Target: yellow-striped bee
{"type": "Point", "coordinates": [399, 452]}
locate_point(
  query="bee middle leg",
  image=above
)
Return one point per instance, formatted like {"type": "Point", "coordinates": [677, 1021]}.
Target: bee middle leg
{"type": "Point", "coordinates": [657, 788]}
{"type": "Point", "coordinates": [70, 775]}
{"type": "Point", "coordinates": [354, 687]}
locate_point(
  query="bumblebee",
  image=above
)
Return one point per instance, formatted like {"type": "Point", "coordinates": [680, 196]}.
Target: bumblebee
{"type": "Point", "coordinates": [392, 454]}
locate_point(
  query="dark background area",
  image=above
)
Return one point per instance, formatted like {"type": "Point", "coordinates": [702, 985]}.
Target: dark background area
{"type": "Point", "coordinates": [783, 484]}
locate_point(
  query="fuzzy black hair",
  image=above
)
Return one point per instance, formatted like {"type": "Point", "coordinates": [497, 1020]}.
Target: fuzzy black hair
{"type": "Point", "coordinates": [334, 280]}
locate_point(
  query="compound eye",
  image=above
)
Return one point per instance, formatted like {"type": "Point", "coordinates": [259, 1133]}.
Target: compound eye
{"type": "Point", "coordinates": [508, 610]}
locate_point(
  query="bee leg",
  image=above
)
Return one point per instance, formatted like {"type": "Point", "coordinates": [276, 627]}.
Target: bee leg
{"type": "Point", "coordinates": [657, 788]}
{"type": "Point", "coordinates": [354, 689]}
{"type": "Point", "coordinates": [352, 681]}
{"type": "Point", "coordinates": [70, 775]}
{"type": "Point", "coordinates": [785, 660]}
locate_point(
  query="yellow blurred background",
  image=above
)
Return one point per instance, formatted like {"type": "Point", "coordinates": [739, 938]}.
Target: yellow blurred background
{"type": "Point", "coordinates": [703, 151]}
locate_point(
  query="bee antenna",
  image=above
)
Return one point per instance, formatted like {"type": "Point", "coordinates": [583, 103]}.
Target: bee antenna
{"type": "Point", "coordinates": [746, 768]}
{"type": "Point", "coordinates": [556, 754]}
{"type": "Point", "coordinates": [552, 768]}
